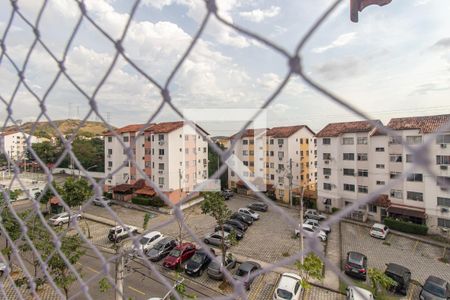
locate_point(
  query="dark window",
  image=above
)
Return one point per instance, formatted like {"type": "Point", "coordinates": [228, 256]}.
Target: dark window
{"type": "Point", "coordinates": [363, 189]}
{"type": "Point", "coordinates": [349, 187]}
{"type": "Point", "coordinates": [109, 139]}
{"type": "Point", "coordinates": [441, 201]}
{"type": "Point", "coordinates": [444, 223]}
{"type": "Point", "coordinates": [363, 173]}
{"type": "Point", "coordinates": [327, 186]}
{"type": "Point", "coordinates": [244, 142]}
{"type": "Point", "coordinates": [415, 196]}
{"type": "Point", "coordinates": [372, 208]}
{"type": "Point", "coordinates": [379, 149]}
{"type": "Point", "coordinates": [443, 159]}
{"type": "Point", "coordinates": [326, 141]}
{"type": "Point", "coordinates": [415, 177]}
{"type": "Point", "coordinates": [161, 151]}
{"type": "Point", "coordinates": [125, 139]}
{"type": "Point", "coordinates": [349, 172]}
{"type": "Point", "coordinates": [443, 139]}
{"type": "Point", "coordinates": [443, 181]}
{"type": "Point", "coordinates": [395, 157]}
{"type": "Point", "coordinates": [326, 171]}
{"type": "Point", "coordinates": [349, 156]}
{"type": "Point", "coordinates": [409, 158]}
{"type": "Point", "coordinates": [326, 156]}
{"type": "Point", "coordinates": [362, 156]}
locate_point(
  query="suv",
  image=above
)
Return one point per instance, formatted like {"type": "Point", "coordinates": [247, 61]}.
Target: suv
{"type": "Point", "coordinates": [314, 214]}
{"type": "Point", "coordinates": [244, 273]}
{"type": "Point", "coordinates": [243, 218]}
{"type": "Point", "coordinates": [229, 228]}
{"type": "Point", "coordinates": [259, 206]}
{"type": "Point", "coordinates": [356, 265]}
{"type": "Point", "coordinates": [379, 231]}
{"type": "Point", "coordinates": [401, 275]}
{"type": "Point", "coordinates": [435, 288]}
{"type": "Point", "coordinates": [118, 233]}
{"type": "Point", "coordinates": [215, 239]}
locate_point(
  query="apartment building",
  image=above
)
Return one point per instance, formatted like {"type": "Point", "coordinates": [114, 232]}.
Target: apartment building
{"type": "Point", "coordinates": [172, 154]}
{"type": "Point", "coordinates": [355, 159]}
{"type": "Point", "coordinates": [271, 155]}
{"type": "Point", "coordinates": [13, 143]}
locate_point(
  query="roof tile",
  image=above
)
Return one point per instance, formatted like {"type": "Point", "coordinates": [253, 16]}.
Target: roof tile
{"type": "Point", "coordinates": [426, 124]}
{"type": "Point", "coordinates": [337, 129]}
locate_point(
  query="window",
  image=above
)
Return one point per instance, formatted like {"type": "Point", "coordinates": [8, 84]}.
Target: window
{"type": "Point", "coordinates": [444, 223]}
{"type": "Point", "coordinates": [443, 181]}
{"type": "Point", "coordinates": [245, 153]}
{"type": "Point", "coordinates": [396, 194]}
{"type": "Point", "coordinates": [110, 164]}
{"type": "Point", "coordinates": [441, 201]}
{"type": "Point", "coordinates": [252, 164]}
{"type": "Point", "coordinates": [125, 139]}
{"type": "Point", "coordinates": [271, 153]}
{"type": "Point", "coordinates": [379, 149]}
{"type": "Point", "coordinates": [272, 177]}
{"type": "Point", "coordinates": [267, 164]}
{"type": "Point", "coordinates": [413, 140]}
{"type": "Point", "coordinates": [161, 152]}
{"type": "Point", "coordinates": [109, 151]}
{"type": "Point", "coordinates": [252, 142]}
{"type": "Point", "coordinates": [326, 171]}
{"type": "Point", "coordinates": [363, 189]}
{"type": "Point", "coordinates": [280, 154]}
{"type": "Point", "coordinates": [349, 187]}
{"type": "Point", "coordinates": [160, 137]}
{"type": "Point", "coordinates": [280, 141]}
{"type": "Point", "coordinates": [232, 173]}
{"type": "Point", "coordinates": [161, 180]}
{"type": "Point", "coordinates": [380, 182]}
{"type": "Point", "coordinates": [443, 159]}
{"type": "Point", "coordinates": [148, 164]}
{"type": "Point", "coordinates": [271, 141]}
{"type": "Point", "coordinates": [363, 173]}
{"type": "Point", "coordinates": [301, 141]}
{"type": "Point", "coordinates": [325, 141]}
{"type": "Point", "coordinates": [280, 180]}
{"type": "Point", "coordinates": [395, 140]}
{"type": "Point", "coordinates": [415, 177]}
{"type": "Point", "coordinates": [395, 158]}
{"type": "Point", "coordinates": [245, 163]}
{"type": "Point", "coordinates": [349, 156]}
{"type": "Point", "coordinates": [443, 139]}
{"type": "Point", "coordinates": [272, 165]}
{"type": "Point", "coordinates": [161, 166]}
{"type": "Point", "coordinates": [326, 156]}
{"type": "Point", "coordinates": [395, 174]}
{"type": "Point", "coordinates": [251, 153]}
{"type": "Point", "coordinates": [349, 172]}
{"type": "Point", "coordinates": [204, 149]}
{"type": "Point", "coordinates": [362, 156]}
{"type": "Point", "coordinates": [348, 141]}
{"type": "Point", "coordinates": [379, 166]}
{"type": "Point", "coordinates": [372, 208]}
{"type": "Point", "coordinates": [109, 139]}
{"type": "Point", "coordinates": [327, 186]}
{"type": "Point", "coordinates": [281, 167]}
{"type": "Point", "coordinates": [415, 196]}
{"type": "Point", "coordinates": [244, 142]}
{"type": "Point", "coordinates": [409, 158]}
{"type": "Point", "coordinates": [362, 141]}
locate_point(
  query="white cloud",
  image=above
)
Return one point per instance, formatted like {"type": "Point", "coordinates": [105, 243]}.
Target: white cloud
{"type": "Point", "coordinates": [421, 2]}
{"type": "Point", "coordinates": [259, 15]}
{"type": "Point", "coordinates": [340, 41]}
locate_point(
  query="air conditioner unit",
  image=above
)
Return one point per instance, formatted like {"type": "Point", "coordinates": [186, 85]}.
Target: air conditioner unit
{"type": "Point", "coordinates": [160, 172]}
{"type": "Point", "coordinates": [160, 157]}
{"type": "Point", "coordinates": [109, 169]}
{"type": "Point", "coordinates": [444, 188]}
{"type": "Point", "coordinates": [443, 146]}
{"type": "Point", "coordinates": [444, 167]}
{"type": "Point", "coordinates": [327, 177]}
{"type": "Point", "coordinates": [444, 209]}
{"type": "Point", "coordinates": [161, 143]}
{"type": "Point", "coordinates": [280, 145]}
{"type": "Point", "coordinates": [327, 162]}
{"type": "Point", "coordinates": [161, 186]}
{"type": "Point", "coordinates": [333, 186]}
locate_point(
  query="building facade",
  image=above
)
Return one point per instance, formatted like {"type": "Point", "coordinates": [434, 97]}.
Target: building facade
{"type": "Point", "coordinates": [13, 144]}
{"type": "Point", "coordinates": [355, 160]}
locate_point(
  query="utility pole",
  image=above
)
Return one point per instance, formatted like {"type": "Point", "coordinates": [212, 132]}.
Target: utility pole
{"type": "Point", "coordinates": [290, 177]}
{"type": "Point", "coordinates": [301, 222]}
{"type": "Point", "coordinates": [119, 274]}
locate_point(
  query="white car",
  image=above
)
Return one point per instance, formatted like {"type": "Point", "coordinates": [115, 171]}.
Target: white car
{"type": "Point", "coordinates": [316, 223]}
{"type": "Point", "coordinates": [379, 231]}
{"type": "Point", "coordinates": [312, 230]}
{"type": "Point", "coordinates": [314, 214]}
{"type": "Point", "coordinates": [357, 293]}
{"type": "Point", "coordinates": [148, 240]}
{"type": "Point", "coordinates": [102, 201]}
{"type": "Point", "coordinates": [249, 212]}
{"type": "Point", "coordinates": [3, 268]}
{"type": "Point", "coordinates": [289, 287]}
{"type": "Point", "coordinates": [63, 218]}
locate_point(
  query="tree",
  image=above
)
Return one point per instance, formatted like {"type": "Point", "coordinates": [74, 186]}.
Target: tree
{"type": "Point", "coordinates": [312, 267]}
{"type": "Point", "coordinates": [214, 205]}
{"type": "Point", "coordinates": [380, 280]}
{"type": "Point", "coordinates": [75, 192]}
{"type": "Point", "coordinates": [47, 152]}
{"type": "Point", "coordinates": [89, 152]}
{"type": "Point", "coordinates": [214, 165]}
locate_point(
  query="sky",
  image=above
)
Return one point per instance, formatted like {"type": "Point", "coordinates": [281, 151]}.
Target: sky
{"type": "Point", "coordinates": [394, 62]}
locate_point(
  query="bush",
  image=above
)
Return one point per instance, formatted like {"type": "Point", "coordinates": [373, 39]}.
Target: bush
{"type": "Point", "coordinates": [148, 201]}
{"type": "Point", "coordinates": [107, 195]}
{"type": "Point", "coordinates": [406, 227]}
{"type": "Point", "coordinates": [334, 210]}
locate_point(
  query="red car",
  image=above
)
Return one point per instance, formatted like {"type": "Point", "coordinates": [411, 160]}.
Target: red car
{"type": "Point", "coordinates": [178, 255]}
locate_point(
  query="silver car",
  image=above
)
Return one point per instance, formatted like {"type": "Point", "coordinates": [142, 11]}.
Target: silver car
{"type": "Point", "coordinates": [215, 239]}
{"type": "Point", "coordinates": [102, 201]}
{"type": "Point", "coordinates": [63, 218]}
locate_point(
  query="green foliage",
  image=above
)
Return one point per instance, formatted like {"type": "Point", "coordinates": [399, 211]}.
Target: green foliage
{"type": "Point", "coordinates": [3, 159]}
{"type": "Point", "coordinates": [48, 193]}
{"type": "Point", "coordinates": [379, 280]}
{"type": "Point", "coordinates": [148, 201]}
{"type": "Point", "coordinates": [312, 267]}
{"type": "Point", "coordinates": [334, 210]}
{"type": "Point", "coordinates": [147, 217]}
{"type": "Point", "coordinates": [214, 163]}
{"type": "Point", "coordinates": [76, 191]}
{"type": "Point", "coordinates": [103, 285]}
{"type": "Point", "coordinates": [107, 195]}
{"type": "Point", "coordinates": [12, 195]}
{"type": "Point", "coordinates": [406, 227]}
{"type": "Point", "coordinates": [47, 152]}
{"type": "Point", "coordinates": [181, 289]}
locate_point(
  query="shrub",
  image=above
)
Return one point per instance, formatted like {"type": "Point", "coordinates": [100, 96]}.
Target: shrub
{"type": "Point", "coordinates": [334, 210]}
{"type": "Point", "coordinates": [406, 227]}
{"type": "Point", "coordinates": [148, 201]}
{"type": "Point", "coordinates": [107, 195]}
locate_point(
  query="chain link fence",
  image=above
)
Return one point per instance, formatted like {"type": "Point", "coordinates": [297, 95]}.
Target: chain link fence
{"type": "Point", "coordinates": [22, 244]}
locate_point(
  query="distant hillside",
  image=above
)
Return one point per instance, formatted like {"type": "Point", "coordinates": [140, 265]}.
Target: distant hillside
{"type": "Point", "coordinates": [67, 127]}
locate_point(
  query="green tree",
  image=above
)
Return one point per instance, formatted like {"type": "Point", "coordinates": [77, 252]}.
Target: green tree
{"type": "Point", "coordinates": [146, 219]}
{"type": "Point", "coordinates": [47, 152]}
{"type": "Point", "coordinates": [76, 191]}
{"type": "Point", "coordinates": [214, 164]}
{"type": "Point", "coordinates": [89, 152]}
{"type": "Point", "coordinates": [181, 289]}
{"type": "Point", "coordinates": [312, 268]}
{"type": "Point", "coordinates": [103, 285]}
{"type": "Point", "coordinates": [379, 280]}
{"type": "Point", "coordinates": [214, 205]}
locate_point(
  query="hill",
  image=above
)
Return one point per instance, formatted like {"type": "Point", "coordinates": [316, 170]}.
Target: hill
{"type": "Point", "coordinates": [67, 127]}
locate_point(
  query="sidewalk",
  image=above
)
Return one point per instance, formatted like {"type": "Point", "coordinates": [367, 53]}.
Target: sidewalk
{"type": "Point", "coordinates": [333, 253]}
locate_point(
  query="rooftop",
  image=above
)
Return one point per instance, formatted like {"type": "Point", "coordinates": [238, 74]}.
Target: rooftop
{"type": "Point", "coordinates": [425, 124]}
{"type": "Point", "coordinates": [337, 129]}
{"type": "Point", "coordinates": [286, 131]}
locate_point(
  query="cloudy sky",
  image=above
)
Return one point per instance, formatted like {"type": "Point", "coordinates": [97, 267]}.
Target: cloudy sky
{"type": "Point", "coordinates": [394, 62]}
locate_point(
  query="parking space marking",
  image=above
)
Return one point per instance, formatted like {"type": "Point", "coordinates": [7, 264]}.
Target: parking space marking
{"type": "Point", "coordinates": [136, 290]}
{"type": "Point", "coordinates": [89, 268]}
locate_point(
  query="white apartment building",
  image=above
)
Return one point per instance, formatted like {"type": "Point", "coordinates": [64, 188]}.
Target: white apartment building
{"type": "Point", "coordinates": [272, 155]}
{"type": "Point", "coordinates": [355, 159]}
{"type": "Point", "coordinates": [172, 154]}
{"type": "Point", "coordinates": [13, 143]}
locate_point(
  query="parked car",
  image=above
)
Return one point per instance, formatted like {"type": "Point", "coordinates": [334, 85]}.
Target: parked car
{"type": "Point", "coordinates": [379, 231]}
{"type": "Point", "coordinates": [435, 288]}
{"type": "Point", "coordinates": [314, 214]}
{"type": "Point", "coordinates": [102, 201]}
{"type": "Point", "coordinates": [197, 263]}
{"type": "Point", "coordinates": [215, 269]}
{"type": "Point", "coordinates": [215, 239]}
{"type": "Point", "coordinates": [237, 224]}
{"type": "Point", "coordinates": [357, 293]}
{"type": "Point", "coordinates": [162, 248]}
{"type": "Point", "coordinates": [178, 255]}
{"type": "Point", "coordinates": [244, 272]}
{"type": "Point", "coordinates": [243, 218]}
{"type": "Point", "coordinates": [312, 230]}
{"type": "Point", "coordinates": [288, 287]}
{"type": "Point", "coordinates": [249, 212]}
{"type": "Point", "coordinates": [3, 268]}
{"type": "Point", "coordinates": [119, 233]}
{"type": "Point", "coordinates": [258, 206]}
{"type": "Point", "coordinates": [63, 218]}
{"type": "Point", "coordinates": [401, 275]}
{"type": "Point", "coordinates": [229, 228]}
{"type": "Point", "coordinates": [316, 224]}
{"type": "Point", "coordinates": [228, 192]}
{"type": "Point", "coordinates": [356, 265]}
{"type": "Point", "coordinates": [148, 240]}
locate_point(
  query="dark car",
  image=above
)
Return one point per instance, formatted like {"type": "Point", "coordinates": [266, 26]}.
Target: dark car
{"type": "Point", "coordinates": [435, 288]}
{"type": "Point", "coordinates": [401, 275]}
{"type": "Point", "coordinates": [215, 270]}
{"type": "Point", "coordinates": [244, 272]}
{"type": "Point", "coordinates": [226, 195]}
{"type": "Point", "coordinates": [243, 218]}
{"type": "Point", "coordinates": [162, 248]}
{"type": "Point", "coordinates": [237, 224]}
{"type": "Point", "coordinates": [197, 263]}
{"type": "Point", "coordinates": [178, 255]}
{"type": "Point", "coordinates": [356, 265]}
{"type": "Point", "coordinates": [229, 228]}
{"type": "Point", "coordinates": [258, 206]}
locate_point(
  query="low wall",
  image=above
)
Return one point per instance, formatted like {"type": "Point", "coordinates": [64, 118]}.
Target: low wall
{"type": "Point", "coordinates": [78, 172]}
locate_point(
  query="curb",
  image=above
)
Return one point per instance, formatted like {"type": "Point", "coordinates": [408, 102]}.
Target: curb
{"type": "Point", "coordinates": [138, 207]}
{"type": "Point", "coordinates": [106, 221]}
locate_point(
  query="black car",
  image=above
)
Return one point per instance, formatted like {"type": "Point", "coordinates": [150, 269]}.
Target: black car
{"type": "Point", "coordinates": [197, 263]}
{"type": "Point", "coordinates": [244, 273]}
{"type": "Point", "coordinates": [356, 265]}
{"type": "Point", "coordinates": [243, 218]}
{"type": "Point", "coordinates": [401, 275]}
{"type": "Point", "coordinates": [258, 206]}
{"type": "Point", "coordinates": [226, 194]}
{"type": "Point", "coordinates": [162, 248]}
{"type": "Point", "coordinates": [229, 228]}
{"type": "Point", "coordinates": [237, 224]}
{"type": "Point", "coordinates": [215, 270]}
{"type": "Point", "coordinates": [435, 288]}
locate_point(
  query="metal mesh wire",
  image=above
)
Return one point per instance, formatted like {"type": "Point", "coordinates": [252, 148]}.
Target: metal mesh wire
{"type": "Point", "coordinates": [294, 62]}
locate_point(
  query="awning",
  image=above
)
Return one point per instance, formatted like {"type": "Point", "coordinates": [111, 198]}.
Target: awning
{"type": "Point", "coordinates": [382, 201]}
{"type": "Point", "coordinates": [147, 191]}
{"type": "Point", "coordinates": [54, 200]}
{"type": "Point", "coordinates": [407, 211]}
{"type": "Point", "coordinates": [123, 188]}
